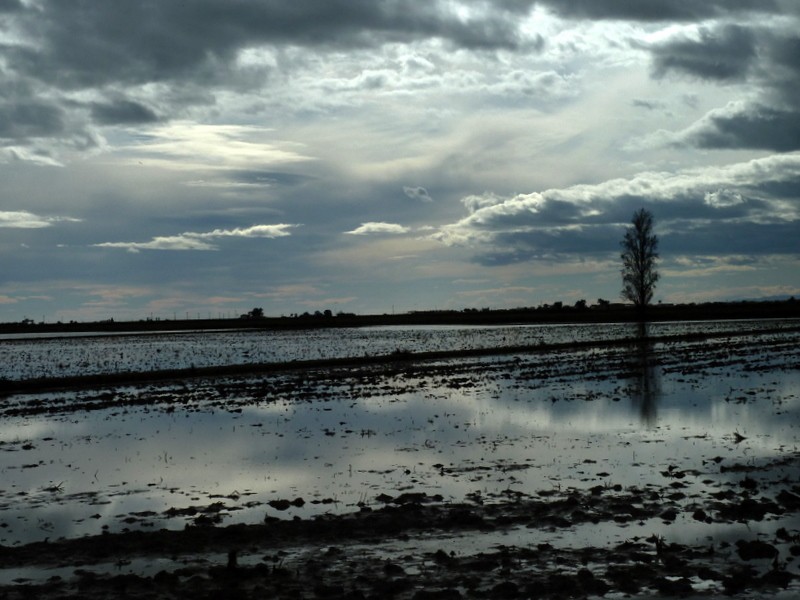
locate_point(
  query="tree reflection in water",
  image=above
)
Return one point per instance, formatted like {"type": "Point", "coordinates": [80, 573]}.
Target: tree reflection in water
{"type": "Point", "coordinates": [645, 388]}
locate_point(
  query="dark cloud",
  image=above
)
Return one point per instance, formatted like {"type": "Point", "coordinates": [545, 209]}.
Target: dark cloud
{"type": "Point", "coordinates": [693, 236]}
{"type": "Point", "coordinates": [782, 59]}
{"type": "Point", "coordinates": [551, 244]}
{"type": "Point", "coordinates": [725, 53]}
{"type": "Point", "coordinates": [764, 56]}
{"type": "Point", "coordinates": [191, 51]}
{"type": "Point", "coordinates": [738, 238]}
{"type": "Point", "coordinates": [86, 44]}
{"type": "Point", "coordinates": [514, 6]}
{"type": "Point", "coordinates": [122, 112]}
{"type": "Point", "coordinates": [786, 52]}
{"type": "Point", "coordinates": [656, 10]}
{"type": "Point", "coordinates": [10, 5]}
{"type": "Point", "coordinates": [752, 126]}
{"type": "Point", "coordinates": [30, 119]}
{"type": "Point", "coordinates": [731, 210]}
{"type": "Point", "coordinates": [788, 189]}
{"type": "Point", "coordinates": [560, 229]}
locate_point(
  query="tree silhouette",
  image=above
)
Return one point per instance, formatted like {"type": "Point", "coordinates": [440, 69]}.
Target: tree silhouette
{"type": "Point", "coordinates": [639, 254]}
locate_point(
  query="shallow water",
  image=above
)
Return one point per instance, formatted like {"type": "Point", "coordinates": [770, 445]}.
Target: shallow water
{"type": "Point", "coordinates": [164, 456]}
{"type": "Point", "coordinates": [27, 357]}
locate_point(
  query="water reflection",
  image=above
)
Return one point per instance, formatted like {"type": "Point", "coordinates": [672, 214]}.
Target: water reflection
{"type": "Point", "coordinates": [527, 423]}
{"type": "Point", "coordinates": [30, 357]}
{"type": "Point", "coordinates": [645, 389]}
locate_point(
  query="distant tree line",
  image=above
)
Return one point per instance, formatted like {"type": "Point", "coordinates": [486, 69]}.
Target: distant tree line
{"type": "Point", "coordinates": [258, 313]}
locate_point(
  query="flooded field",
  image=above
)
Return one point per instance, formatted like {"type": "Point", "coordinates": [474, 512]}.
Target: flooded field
{"type": "Point", "coordinates": [34, 356]}
{"type": "Point", "coordinates": [595, 458]}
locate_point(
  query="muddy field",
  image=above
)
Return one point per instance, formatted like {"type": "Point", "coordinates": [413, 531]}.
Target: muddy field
{"type": "Point", "coordinates": [663, 466]}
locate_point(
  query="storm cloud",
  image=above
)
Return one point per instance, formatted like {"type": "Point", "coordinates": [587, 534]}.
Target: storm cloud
{"type": "Point", "coordinates": [724, 54]}
{"type": "Point", "coordinates": [390, 153]}
{"type": "Point", "coordinates": [658, 10]}
{"type": "Point", "coordinates": [762, 57]}
{"type": "Point", "coordinates": [695, 205]}
{"type": "Point", "coordinates": [89, 44]}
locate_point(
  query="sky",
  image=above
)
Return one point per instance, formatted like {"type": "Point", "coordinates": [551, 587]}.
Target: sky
{"type": "Point", "coordinates": [200, 158]}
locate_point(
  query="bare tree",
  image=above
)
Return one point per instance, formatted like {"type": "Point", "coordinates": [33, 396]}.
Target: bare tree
{"type": "Point", "coordinates": [639, 254]}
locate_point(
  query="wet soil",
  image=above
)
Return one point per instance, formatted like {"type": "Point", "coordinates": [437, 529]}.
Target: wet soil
{"type": "Point", "coordinates": [416, 545]}
{"type": "Point", "coordinates": [398, 360]}
{"type": "Point", "coordinates": [408, 547]}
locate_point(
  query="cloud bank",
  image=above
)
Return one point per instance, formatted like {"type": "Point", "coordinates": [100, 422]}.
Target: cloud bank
{"type": "Point", "coordinates": [760, 196]}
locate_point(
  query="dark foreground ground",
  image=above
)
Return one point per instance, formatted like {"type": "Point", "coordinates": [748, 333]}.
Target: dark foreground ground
{"type": "Point", "coordinates": [404, 550]}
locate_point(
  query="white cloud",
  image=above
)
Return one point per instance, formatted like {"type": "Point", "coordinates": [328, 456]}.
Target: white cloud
{"type": "Point", "coordinates": [373, 227]}
{"type": "Point", "coordinates": [556, 210]}
{"type": "Point", "coordinates": [723, 198]}
{"type": "Point", "coordinates": [197, 241]}
{"type": "Point", "coordinates": [174, 242]}
{"type": "Point", "coordinates": [227, 185]}
{"type": "Point", "coordinates": [184, 145]}
{"type": "Point", "coordinates": [475, 202]}
{"type": "Point", "coordinates": [20, 153]}
{"type": "Point", "coordinates": [256, 231]}
{"type": "Point", "coordinates": [23, 219]}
